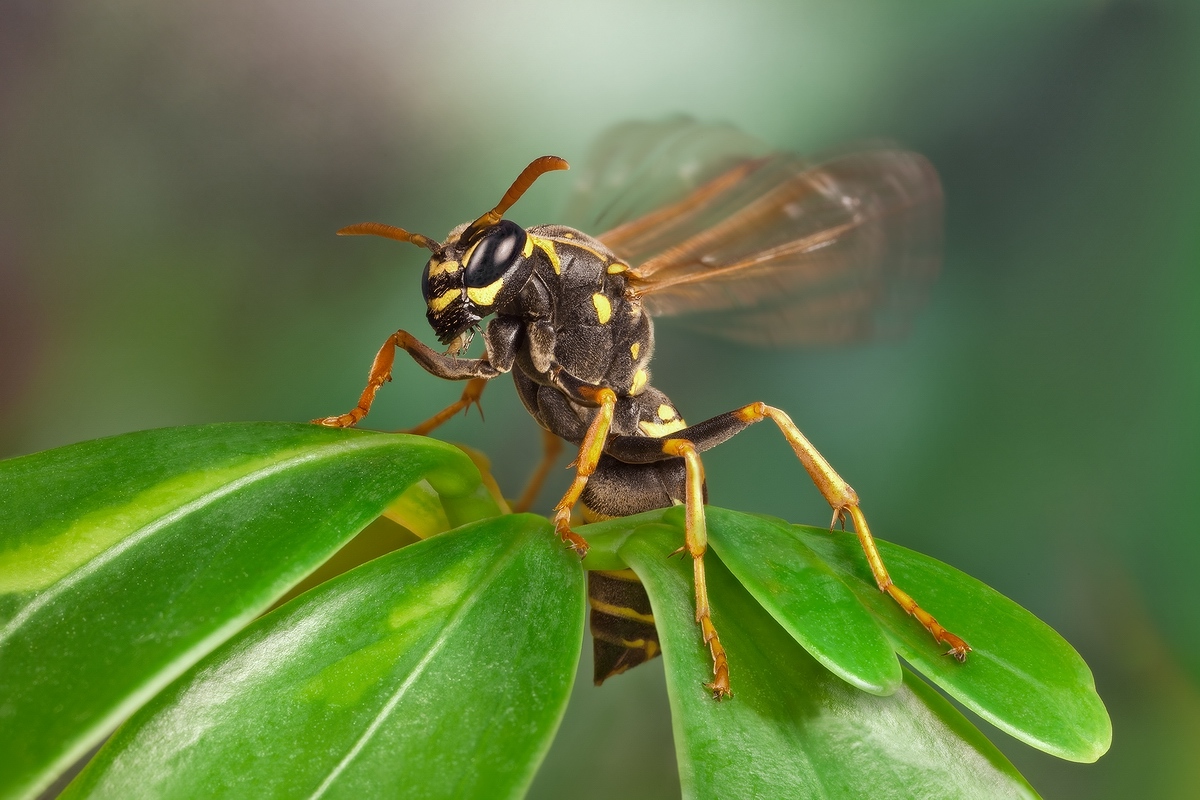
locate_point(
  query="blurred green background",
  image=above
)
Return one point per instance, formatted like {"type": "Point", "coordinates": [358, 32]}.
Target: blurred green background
{"type": "Point", "coordinates": [171, 175]}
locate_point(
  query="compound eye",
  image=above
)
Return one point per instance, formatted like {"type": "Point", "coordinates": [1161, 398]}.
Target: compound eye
{"type": "Point", "coordinates": [495, 253]}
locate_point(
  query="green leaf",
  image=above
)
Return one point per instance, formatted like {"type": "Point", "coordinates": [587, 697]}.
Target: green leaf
{"type": "Point", "coordinates": [124, 560]}
{"type": "Point", "coordinates": [439, 670]}
{"type": "Point", "coordinates": [807, 598]}
{"type": "Point", "coordinates": [606, 538]}
{"type": "Point", "coordinates": [792, 729]}
{"type": "Point", "coordinates": [1020, 675]}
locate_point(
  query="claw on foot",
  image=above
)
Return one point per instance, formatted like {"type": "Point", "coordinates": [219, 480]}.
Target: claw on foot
{"type": "Point", "coordinates": [574, 541]}
{"type": "Point", "coordinates": [839, 519]}
{"type": "Point", "coordinates": [958, 648]}
{"type": "Point", "coordinates": [719, 688]}
{"type": "Point", "coordinates": [343, 421]}
{"type": "Point", "coordinates": [473, 398]}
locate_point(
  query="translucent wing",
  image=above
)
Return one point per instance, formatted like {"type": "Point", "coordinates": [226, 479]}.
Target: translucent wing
{"type": "Point", "coordinates": [637, 167]}
{"type": "Point", "coordinates": [773, 249]}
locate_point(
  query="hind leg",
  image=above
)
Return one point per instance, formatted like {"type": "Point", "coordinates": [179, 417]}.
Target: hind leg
{"type": "Point", "coordinates": [839, 494]}
{"type": "Point", "coordinates": [696, 543]}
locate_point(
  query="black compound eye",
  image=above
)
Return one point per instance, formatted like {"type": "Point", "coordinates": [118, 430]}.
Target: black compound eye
{"type": "Point", "coordinates": [495, 253]}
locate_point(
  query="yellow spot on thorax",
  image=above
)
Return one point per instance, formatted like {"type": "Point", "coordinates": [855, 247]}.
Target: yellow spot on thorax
{"type": "Point", "coordinates": [527, 250]}
{"type": "Point", "coordinates": [634, 349]}
{"type": "Point", "coordinates": [665, 412]}
{"type": "Point", "coordinates": [547, 247]}
{"type": "Point", "coordinates": [603, 307]}
{"type": "Point", "coordinates": [617, 267]}
{"type": "Point", "coordinates": [640, 379]}
{"type": "Point", "coordinates": [593, 251]}
{"type": "Point", "coordinates": [485, 295]}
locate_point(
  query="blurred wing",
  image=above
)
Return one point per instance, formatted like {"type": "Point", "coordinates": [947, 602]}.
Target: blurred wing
{"type": "Point", "coordinates": [637, 167]}
{"type": "Point", "coordinates": [772, 249]}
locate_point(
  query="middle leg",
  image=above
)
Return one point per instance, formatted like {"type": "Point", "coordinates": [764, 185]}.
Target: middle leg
{"type": "Point", "coordinates": [590, 450]}
{"type": "Point", "coordinates": [470, 397]}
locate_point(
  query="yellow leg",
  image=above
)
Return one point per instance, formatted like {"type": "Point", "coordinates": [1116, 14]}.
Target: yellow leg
{"type": "Point", "coordinates": [589, 456]}
{"type": "Point", "coordinates": [696, 543]}
{"type": "Point", "coordinates": [844, 500]}
{"type": "Point", "coordinates": [551, 447]}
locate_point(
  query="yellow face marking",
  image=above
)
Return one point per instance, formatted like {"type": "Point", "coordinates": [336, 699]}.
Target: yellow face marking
{"type": "Point", "coordinates": [527, 251]}
{"type": "Point", "coordinates": [444, 266]}
{"type": "Point", "coordinates": [548, 248]}
{"type": "Point", "coordinates": [485, 295]}
{"type": "Point", "coordinates": [466, 259]}
{"type": "Point", "coordinates": [617, 267]}
{"type": "Point", "coordinates": [444, 299]}
{"type": "Point", "coordinates": [603, 307]}
{"type": "Point", "coordinates": [660, 429]}
{"type": "Point", "coordinates": [634, 349]}
{"type": "Point", "coordinates": [665, 412]}
{"type": "Point", "coordinates": [640, 378]}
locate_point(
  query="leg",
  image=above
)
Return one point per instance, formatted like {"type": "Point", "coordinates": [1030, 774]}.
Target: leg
{"type": "Point", "coordinates": [439, 364]}
{"type": "Point", "coordinates": [844, 500]}
{"type": "Point", "coordinates": [551, 447]}
{"type": "Point", "coordinates": [589, 455]}
{"type": "Point", "coordinates": [470, 397]}
{"type": "Point", "coordinates": [696, 542]}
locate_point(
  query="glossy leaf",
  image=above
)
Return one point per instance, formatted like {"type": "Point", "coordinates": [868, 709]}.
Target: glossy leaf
{"type": "Point", "coordinates": [792, 729]}
{"type": "Point", "coordinates": [606, 538]}
{"type": "Point", "coordinates": [807, 598]}
{"type": "Point", "coordinates": [1020, 675]}
{"type": "Point", "coordinates": [124, 560]}
{"type": "Point", "coordinates": [440, 670]}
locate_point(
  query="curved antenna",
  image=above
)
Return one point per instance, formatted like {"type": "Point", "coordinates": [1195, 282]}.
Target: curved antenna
{"type": "Point", "coordinates": [535, 170]}
{"type": "Point", "coordinates": [388, 232]}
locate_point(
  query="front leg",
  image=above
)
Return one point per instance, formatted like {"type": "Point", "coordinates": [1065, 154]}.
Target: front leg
{"type": "Point", "coordinates": [439, 364]}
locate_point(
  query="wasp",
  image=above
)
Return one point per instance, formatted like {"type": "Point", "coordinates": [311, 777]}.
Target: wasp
{"type": "Point", "coordinates": [772, 248]}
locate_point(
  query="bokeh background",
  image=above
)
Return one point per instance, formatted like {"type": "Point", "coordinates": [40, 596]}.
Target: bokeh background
{"type": "Point", "coordinates": [171, 175]}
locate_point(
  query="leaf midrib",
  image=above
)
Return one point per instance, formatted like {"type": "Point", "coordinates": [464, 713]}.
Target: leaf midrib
{"type": "Point", "coordinates": [418, 670]}
{"type": "Point", "coordinates": [143, 533]}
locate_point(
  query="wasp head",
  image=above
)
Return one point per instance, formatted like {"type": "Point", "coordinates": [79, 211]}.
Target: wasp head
{"type": "Point", "coordinates": [473, 274]}
{"type": "Point", "coordinates": [480, 268]}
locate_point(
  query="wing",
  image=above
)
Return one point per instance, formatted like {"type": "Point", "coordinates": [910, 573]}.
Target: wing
{"type": "Point", "coordinates": [637, 167]}
{"type": "Point", "coordinates": [773, 249]}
